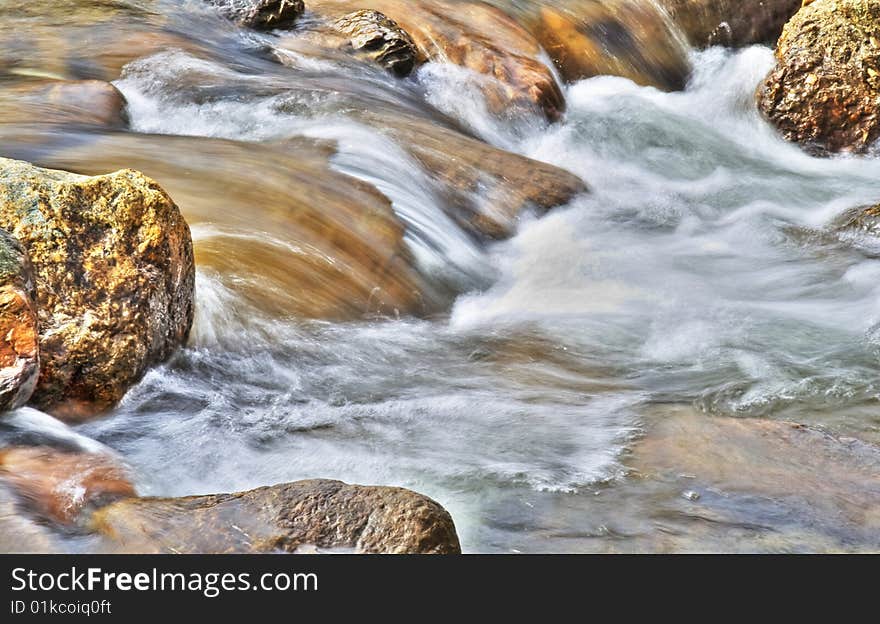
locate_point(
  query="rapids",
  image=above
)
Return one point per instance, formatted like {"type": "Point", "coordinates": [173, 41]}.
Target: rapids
{"type": "Point", "coordinates": [698, 271]}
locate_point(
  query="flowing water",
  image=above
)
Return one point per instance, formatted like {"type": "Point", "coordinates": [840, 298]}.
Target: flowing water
{"type": "Point", "coordinates": [699, 271]}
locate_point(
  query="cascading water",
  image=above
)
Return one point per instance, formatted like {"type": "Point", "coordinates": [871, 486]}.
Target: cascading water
{"type": "Point", "coordinates": [683, 277]}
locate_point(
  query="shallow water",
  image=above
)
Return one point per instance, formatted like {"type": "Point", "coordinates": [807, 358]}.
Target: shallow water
{"type": "Point", "coordinates": [688, 276]}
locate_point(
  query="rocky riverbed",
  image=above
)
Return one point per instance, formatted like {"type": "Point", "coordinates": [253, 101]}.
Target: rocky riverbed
{"type": "Point", "coordinates": [549, 276]}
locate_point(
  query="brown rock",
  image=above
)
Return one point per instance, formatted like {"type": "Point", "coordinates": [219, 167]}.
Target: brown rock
{"type": "Point", "coordinates": [114, 275]}
{"type": "Point", "coordinates": [260, 14]}
{"type": "Point", "coordinates": [291, 236]}
{"type": "Point", "coordinates": [63, 486]}
{"type": "Point", "coordinates": [628, 38]}
{"type": "Point", "coordinates": [731, 22]}
{"type": "Point", "coordinates": [19, 341]}
{"type": "Point", "coordinates": [86, 102]}
{"type": "Point", "coordinates": [825, 90]}
{"type": "Point", "coordinates": [487, 189]}
{"type": "Point", "coordinates": [283, 518]}
{"type": "Point", "coordinates": [837, 480]}
{"type": "Point", "coordinates": [474, 35]}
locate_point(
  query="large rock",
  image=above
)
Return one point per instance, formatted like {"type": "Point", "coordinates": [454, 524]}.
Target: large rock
{"type": "Point", "coordinates": [476, 36]}
{"type": "Point", "coordinates": [260, 14]}
{"type": "Point", "coordinates": [731, 22]}
{"type": "Point", "coordinates": [114, 271]}
{"type": "Point", "coordinates": [19, 337]}
{"type": "Point", "coordinates": [629, 38]}
{"type": "Point", "coordinates": [825, 90]}
{"type": "Point", "coordinates": [61, 486]}
{"type": "Point", "coordinates": [293, 517]}
{"type": "Point", "coordinates": [85, 102]}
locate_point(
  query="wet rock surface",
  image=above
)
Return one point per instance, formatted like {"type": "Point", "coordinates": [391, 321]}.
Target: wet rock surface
{"type": "Point", "coordinates": [282, 518]}
{"type": "Point", "coordinates": [259, 14]}
{"type": "Point", "coordinates": [86, 102]}
{"type": "Point", "coordinates": [824, 93]}
{"type": "Point", "coordinates": [19, 330]}
{"type": "Point", "coordinates": [731, 22]}
{"type": "Point", "coordinates": [628, 38]}
{"type": "Point", "coordinates": [63, 487]}
{"type": "Point", "coordinates": [114, 276]}
{"type": "Point", "coordinates": [476, 36]}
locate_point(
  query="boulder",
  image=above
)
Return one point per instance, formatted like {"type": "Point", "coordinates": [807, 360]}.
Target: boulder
{"type": "Point", "coordinates": [824, 92]}
{"type": "Point", "coordinates": [476, 36]}
{"type": "Point", "coordinates": [114, 274]}
{"type": "Point", "coordinates": [293, 517]}
{"type": "Point", "coordinates": [731, 22]}
{"type": "Point", "coordinates": [260, 14]}
{"type": "Point", "coordinates": [61, 486]}
{"type": "Point", "coordinates": [63, 102]}
{"type": "Point", "coordinates": [19, 337]}
{"type": "Point", "coordinates": [629, 38]}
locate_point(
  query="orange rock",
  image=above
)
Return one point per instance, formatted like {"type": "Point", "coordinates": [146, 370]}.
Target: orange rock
{"type": "Point", "coordinates": [19, 339]}
{"type": "Point", "coordinates": [60, 485]}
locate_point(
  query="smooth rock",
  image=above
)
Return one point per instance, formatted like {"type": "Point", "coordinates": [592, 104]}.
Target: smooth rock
{"type": "Point", "coordinates": [260, 14]}
{"type": "Point", "coordinates": [114, 273]}
{"type": "Point", "coordinates": [63, 487]}
{"type": "Point", "coordinates": [629, 38]}
{"type": "Point", "coordinates": [488, 190]}
{"type": "Point", "coordinates": [825, 90]}
{"type": "Point", "coordinates": [19, 334]}
{"type": "Point", "coordinates": [291, 236]}
{"type": "Point", "coordinates": [731, 22]}
{"type": "Point", "coordinates": [85, 102]}
{"type": "Point", "coordinates": [822, 482]}
{"type": "Point", "coordinates": [282, 518]}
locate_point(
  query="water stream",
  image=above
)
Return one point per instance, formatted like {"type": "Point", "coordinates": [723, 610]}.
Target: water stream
{"type": "Point", "coordinates": [692, 274]}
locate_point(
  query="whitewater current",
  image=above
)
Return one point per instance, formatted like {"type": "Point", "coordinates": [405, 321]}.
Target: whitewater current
{"type": "Point", "coordinates": [682, 277]}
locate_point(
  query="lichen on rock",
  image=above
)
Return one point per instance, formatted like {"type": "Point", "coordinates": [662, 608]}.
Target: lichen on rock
{"type": "Point", "coordinates": [824, 92]}
{"type": "Point", "coordinates": [113, 265]}
{"type": "Point", "coordinates": [19, 341]}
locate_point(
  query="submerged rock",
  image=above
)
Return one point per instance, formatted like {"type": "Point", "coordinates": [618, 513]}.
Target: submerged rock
{"type": "Point", "coordinates": [628, 38]}
{"type": "Point", "coordinates": [63, 487]}
{"type": "Point", "coordinates": [19, 337]}
{"type": "Point", "coordinates": [282, 518]}
{"type": "Point", "coordinates": [796, 475]}
{"type": "Point", "coordinates": [825, 90]}
{"type": "Point", "coordinates": [114, 273]}
{"type": "Point", "coordinates": [861, 220]}
{"type": "Point", "coordinates": [476, 36]}
{"type": "Point", "coordinates": [487, 189]}
{"type": "Point", "coordinates": [260, 14]}
{"type": "Point", "coordinates": [85, 102]}
{"type": "Point", "coordinates": [731, 22]}
{"type": "Point", "coordinates": [375, 36]}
